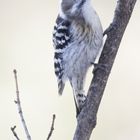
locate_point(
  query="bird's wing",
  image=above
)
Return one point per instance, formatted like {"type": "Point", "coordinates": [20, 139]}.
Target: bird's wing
{"type": "Point", "coordinates": [61, 39]}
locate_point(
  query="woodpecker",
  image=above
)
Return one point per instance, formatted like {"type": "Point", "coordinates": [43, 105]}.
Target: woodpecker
{"type": "Point", "coordinates": [77, 40]}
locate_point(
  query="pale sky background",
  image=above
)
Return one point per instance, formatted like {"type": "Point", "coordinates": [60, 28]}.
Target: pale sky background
{"type": "Point", "coordinates": [25, 44]}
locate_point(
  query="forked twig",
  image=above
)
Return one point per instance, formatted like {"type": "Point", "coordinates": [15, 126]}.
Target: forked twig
{"type": "Point", "coordinates": [52, 127]}
{"type": "Point", "coordinates": [20, 109]}
{"type": "Point", "coordinates": [17, 101]}
{"type": "Point", "coordinates": [14, 132]}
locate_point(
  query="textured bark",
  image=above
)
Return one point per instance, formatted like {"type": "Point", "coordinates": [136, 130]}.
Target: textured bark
{"type": "Point", "coordinates": [86, 120]}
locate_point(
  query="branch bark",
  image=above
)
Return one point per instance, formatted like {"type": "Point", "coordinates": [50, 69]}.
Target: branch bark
{"type": "Point", "coordinates": [86, 120]}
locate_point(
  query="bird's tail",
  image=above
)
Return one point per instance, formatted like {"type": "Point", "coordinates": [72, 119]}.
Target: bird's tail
{"type": "Point", "coordinates": [61, 86]}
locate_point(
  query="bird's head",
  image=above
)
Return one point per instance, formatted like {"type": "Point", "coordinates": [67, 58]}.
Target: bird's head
{"type": "Point", "coordinates": [72, 8]}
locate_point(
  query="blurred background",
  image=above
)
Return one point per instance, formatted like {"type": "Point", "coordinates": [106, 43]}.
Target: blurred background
{"type": "Point", "coordinates": [26, 45]}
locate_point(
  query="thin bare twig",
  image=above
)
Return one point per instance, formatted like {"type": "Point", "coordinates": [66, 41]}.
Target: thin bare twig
{"type": "Point", "coordinates": [14, 132]}
{"type": "Point", "coordinates": [52, 127]}
{"type": "Point", "coordinates": [20, 108]}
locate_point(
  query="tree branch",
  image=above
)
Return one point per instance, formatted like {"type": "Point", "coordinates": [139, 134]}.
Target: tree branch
{"type": "Point", "coordinates": [52, 127]}
{"type": "Point", "coordinates": [86, 120]}
{"type": "Point", "coordinates": [20, 108]}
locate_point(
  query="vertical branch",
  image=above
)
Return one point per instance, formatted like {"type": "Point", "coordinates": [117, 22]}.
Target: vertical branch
{"type": "Point", "coordinates": [20, 108]}
{"type": "Point", "coordinates": [87, 118]}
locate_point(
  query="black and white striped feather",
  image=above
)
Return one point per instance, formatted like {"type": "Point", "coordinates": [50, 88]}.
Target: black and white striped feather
{"type": "Point", "coordinates": [61, 39]}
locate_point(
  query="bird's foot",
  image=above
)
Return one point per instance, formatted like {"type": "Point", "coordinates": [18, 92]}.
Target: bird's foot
{"type": "Point", "coordinates": [111, 27]}
{"type": "Point", "coordinates": [103, 67]}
